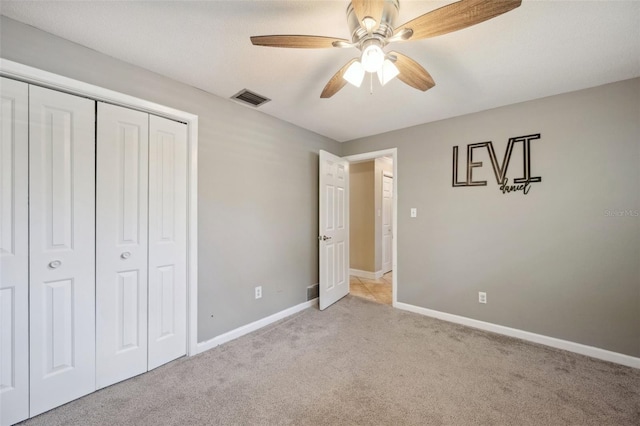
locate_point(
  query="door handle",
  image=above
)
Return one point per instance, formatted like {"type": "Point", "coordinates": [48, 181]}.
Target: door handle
{"type": "Point", "coordinates": [324, 238]}
{"type": "Point", "coordinates": [126, 255]}
{"type": "Point", "coordinates": [54, 264]}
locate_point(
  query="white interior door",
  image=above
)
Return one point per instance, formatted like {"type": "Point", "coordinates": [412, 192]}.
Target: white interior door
{"type": "Point", "coordinates": [387, 223]}
{"type": "Point", "coordinates": [62, 247]}
{"type": "Point", "coordinates": [167, 240]}
{"type": "Point", "coordinates": [334, 229]}
{"type": "Point", "coordinates": [121, 243]}
{"type": "Point", "coordinates": [14, 252]}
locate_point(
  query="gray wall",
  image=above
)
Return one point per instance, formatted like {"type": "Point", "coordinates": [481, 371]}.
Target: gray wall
{"type": "Point", "coordinates": [557, 261]}
{"type": "Point", "coordinates": [257, 183]}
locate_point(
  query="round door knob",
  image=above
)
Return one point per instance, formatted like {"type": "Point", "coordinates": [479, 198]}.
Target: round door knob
{"type": "Point", "coordinates": [55, 264]}
{"type": "Point", "coordinates": [126, 255]}
{"type": "Point", "coordinates": [325, 238]}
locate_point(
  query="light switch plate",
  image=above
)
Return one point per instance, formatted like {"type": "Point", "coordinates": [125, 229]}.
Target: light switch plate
{"type": "Point", "coordinates": [414, 212]}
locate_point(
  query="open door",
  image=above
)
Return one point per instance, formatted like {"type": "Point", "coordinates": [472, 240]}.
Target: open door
{"type": "Point", "coordinates": [333, 238]}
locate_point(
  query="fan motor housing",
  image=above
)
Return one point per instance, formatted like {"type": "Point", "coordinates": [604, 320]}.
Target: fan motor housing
{"type": "Point", "coordinates": [385, 29]}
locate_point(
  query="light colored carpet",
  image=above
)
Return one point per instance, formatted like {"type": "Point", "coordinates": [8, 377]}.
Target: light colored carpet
{"type": "Point", "coordinates": [360, 362]}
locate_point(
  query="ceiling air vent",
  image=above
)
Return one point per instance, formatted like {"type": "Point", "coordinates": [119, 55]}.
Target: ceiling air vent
{"type": "Point", "coordinates": [250, 98]}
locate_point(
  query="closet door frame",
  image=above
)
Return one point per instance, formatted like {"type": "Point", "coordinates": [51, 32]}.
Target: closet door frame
{"type": "Point", "coordinates": [50, 80]}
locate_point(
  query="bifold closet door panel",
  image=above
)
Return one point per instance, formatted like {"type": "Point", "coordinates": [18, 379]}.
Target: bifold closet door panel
{"type": "Point", "coordinates": [62, 247]}
{"type": "Point", "coordinates": [14, 251]}
{"type": "Point", "coordinates": [121, 243]}
{"type": "Point", "coordinates": [167, 240]}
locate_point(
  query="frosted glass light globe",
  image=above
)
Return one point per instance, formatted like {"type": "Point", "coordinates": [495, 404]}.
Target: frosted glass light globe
{"type": "Point", "coordinates": [372, 58]}
{"type": "Point", "coordinates": [354, 74]}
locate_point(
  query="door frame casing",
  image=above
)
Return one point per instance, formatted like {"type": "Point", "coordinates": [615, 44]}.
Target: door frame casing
{"type": "Point", "coordinates": [393, 153]}
{"type": "Point", "coordinates": [31, 75]}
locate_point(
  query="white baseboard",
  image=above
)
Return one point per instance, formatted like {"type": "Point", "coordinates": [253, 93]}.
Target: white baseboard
{"type": "Point", "coordinates": [366, 274]}
{"type": "Point", "coordinates": [566, 345]}
{"type": "Point", "coordinates": [248, 328]}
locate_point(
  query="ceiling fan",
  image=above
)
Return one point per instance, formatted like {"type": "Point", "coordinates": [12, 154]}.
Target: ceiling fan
{"type": "Point", "coordinates": [372, 27]}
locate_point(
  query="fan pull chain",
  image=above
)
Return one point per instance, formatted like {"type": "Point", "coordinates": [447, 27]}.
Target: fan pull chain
{"type": "Point", "coordinates": [371, 83]}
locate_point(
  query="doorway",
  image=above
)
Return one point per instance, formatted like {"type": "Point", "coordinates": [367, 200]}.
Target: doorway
{"type": "Point", "coordinates": [373, 241]}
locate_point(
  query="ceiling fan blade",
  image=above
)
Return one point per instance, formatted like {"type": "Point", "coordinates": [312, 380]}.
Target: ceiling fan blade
{"type": "Point", "coordinates": [412, 73]}
{"type": "Point", "coordinates": [456, 16]}
{"type": "Point", "coordinates": [368, 8]}
{"type": "Point", "coordinates": [337, 82]}
{"type": "Point", "coordinates": [297, 41]}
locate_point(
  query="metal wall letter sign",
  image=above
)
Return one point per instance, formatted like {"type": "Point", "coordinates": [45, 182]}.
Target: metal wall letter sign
{"type": "Point", "coordinates": [500, 170]}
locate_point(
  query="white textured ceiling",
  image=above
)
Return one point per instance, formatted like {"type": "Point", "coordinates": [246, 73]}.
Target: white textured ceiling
{"type": "Point", "coordinates": [541, 48]}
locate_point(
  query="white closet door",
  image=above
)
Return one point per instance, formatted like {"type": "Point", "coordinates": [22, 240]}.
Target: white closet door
{"type": "Point", "coordinates": [62, 247]}
{"type": "Point", "coordinates": [167, 240]}
{"type": "Point", "coordinates": [121, 243]}
{"type": "Point", "coordinates": [387, 223]}
{"type": "Point", "coordinates": [14, 252]}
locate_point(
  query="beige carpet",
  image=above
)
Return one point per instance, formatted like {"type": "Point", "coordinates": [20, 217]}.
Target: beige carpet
{"type": "Point", "coordinates": [360, 362]}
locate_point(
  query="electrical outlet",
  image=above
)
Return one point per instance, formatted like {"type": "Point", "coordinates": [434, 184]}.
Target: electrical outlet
{"type": "Point", "coordinates": [258, 292]}
{"type": "Point", "coordinates": [482, 297]}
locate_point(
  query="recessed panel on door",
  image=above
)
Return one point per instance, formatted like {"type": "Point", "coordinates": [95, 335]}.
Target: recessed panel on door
{"type": "Point", "coordinates": [14, 252]}
{"type": "Point", "coordinates": [62, 248]}
{"type": "Point", "coordinates": [167, 240]}
{"type": "Point", "coordinates": [121, 248]}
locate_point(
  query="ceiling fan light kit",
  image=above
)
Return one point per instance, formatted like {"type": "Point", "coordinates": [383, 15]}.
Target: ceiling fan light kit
{"type": "Point", "coordinates": [354, 74]}
{"type": "Point", "coordinates": [372, 27]}
{"type": "Point", "coordinates": [372, 55]}
{"type": "Point", "coordinates": [387, 72]}
{"type": "Point", "coordinates": [370, 35]}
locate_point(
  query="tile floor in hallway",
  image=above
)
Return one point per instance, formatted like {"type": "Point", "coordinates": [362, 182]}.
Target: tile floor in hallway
{"type": "Point", "coordinates": [375, 290]}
